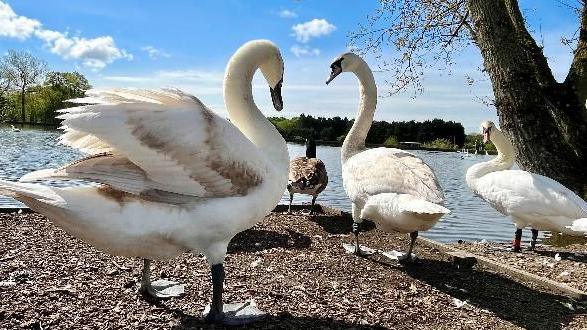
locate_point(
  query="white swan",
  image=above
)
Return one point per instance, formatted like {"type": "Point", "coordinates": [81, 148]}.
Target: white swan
{"type": "Point", "coordinates": [532, 200]}
{"type": "Point", "coordinates": [14, 129]}
{"type": "Point", "coordinates": [176, 176]}
{"type": "Point", "coordinates": [391, 187]}
{"type": "Point", "coordinates": [307, 175]}
{"type": "Point", "coordinates": [579, 225]}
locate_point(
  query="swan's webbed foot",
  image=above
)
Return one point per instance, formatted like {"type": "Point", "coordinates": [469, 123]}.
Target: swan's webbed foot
{"type": "Point", "coordinates": [406, 259]}
{"type": "Point", "coordinates": [355, 248]}
{"type": "Point", "coordinates": [229, 314]}
{"type": "Point", "coordinates": [235, 314]}
{"type": "Point", "coordinates": [163, 289]}
{"type": "Point", "coordinates": [160, 289]}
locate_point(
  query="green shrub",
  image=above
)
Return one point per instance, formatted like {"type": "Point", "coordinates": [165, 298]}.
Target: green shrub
{"type": "Point", "coordinates": [391, 142]}
{"type": "Point", "coordinates": [439, 144]}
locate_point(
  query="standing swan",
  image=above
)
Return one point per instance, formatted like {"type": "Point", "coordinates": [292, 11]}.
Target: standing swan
{"type": "Point", "coordinates": [391, 187]}
{"type": "Point", "coordinates": [532, 200]}
{"type": "Point", "coordinates": [175, 175]}
{"type": "Point", "coordinates": [307, 175]}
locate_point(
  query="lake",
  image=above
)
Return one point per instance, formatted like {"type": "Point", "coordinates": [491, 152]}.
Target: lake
{"type": "Point", "coordinates": [470, 217]}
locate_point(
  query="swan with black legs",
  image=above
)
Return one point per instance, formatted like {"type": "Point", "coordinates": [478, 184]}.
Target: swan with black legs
{"type": "Point", "coordinates": [393, 188]}
{"type": "Point", "coordinates": [532, 200]}
{"type": "Point", "coordinates": [175, 176]}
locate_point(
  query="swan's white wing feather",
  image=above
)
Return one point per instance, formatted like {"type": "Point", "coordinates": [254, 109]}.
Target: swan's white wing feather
{"type": "Point", "coordinates": [383, 170]}
{"type": "Point", "coordinates": [525, 194]}
{"type": "Point", "coordinates": [171, 138]}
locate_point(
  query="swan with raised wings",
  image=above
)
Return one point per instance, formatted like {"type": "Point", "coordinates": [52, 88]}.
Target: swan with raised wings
{"type": "Point", "coordinates": [175, 176]}
{"type": "Point", "coordinates": [307, 175]}
{"type": "Point", "coordinates": [532, 200]}
{"type": "Point", "coordinates": [393, 188]}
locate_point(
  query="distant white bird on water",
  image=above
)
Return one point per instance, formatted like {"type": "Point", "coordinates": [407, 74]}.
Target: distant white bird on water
{"type": "Point", "coordinates": [14, 129]}
{"type": "Point", "coordinates": [391, 187]}
{"type": "Point", "coordinates": [532, 200]}
{"type": "Point", "coordinates": [175, 175]}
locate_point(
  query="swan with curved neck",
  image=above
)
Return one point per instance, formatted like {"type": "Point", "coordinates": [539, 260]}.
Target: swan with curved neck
{"type": "Point", "coordinates": [391, 187]}
{"type": "Point", "coordinates": [532, 200]}
{"type": "Point", "coordinates": [175, 176]}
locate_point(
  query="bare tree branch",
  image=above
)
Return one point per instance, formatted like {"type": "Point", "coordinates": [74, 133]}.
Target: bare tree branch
{"type": "Point", "coordinates": [415, 35]}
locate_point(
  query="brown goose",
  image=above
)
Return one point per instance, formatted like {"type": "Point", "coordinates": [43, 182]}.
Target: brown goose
{"type": "Point", "coordinates": [307, 175]}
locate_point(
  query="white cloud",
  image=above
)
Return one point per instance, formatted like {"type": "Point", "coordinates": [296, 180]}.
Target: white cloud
{"type": "Point", "coordinates": [312, 29]}
{"type": "Point", "coordinates": [15, 26]}
{"type": "Point", "coordinates": [94, 53]}
{"type": "Point", "coordinates": [303, 50]}
{"type": "Point", "coordinates": [287, 14]}
{"type": "Point", "coordinates": [155, 53]}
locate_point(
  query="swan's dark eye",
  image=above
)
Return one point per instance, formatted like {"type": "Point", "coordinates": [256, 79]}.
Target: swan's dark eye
{"type": "Point", "coordinates": [336, 64]}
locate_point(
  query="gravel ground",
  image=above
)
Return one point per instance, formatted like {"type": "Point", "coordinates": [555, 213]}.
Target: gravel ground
{"type": "Point", "coordinates": [292, 265]}
{"type": "Point", "coordinates": [562, 264]}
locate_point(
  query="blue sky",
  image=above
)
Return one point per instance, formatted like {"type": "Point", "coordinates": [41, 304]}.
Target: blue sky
{"type": "Point", "coordinates": [186, 44]}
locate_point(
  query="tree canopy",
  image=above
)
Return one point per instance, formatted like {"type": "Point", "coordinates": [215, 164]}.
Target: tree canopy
{"type": "Point", "coordinates": [334, 129]}
{"type": "Point", "coordinates": [24, 77]}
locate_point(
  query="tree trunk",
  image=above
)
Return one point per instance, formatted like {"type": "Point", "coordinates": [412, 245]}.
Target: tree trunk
{"type": "Point", "coordinates": [22, 101]}
{"type": "Point", "coordinates": [546, 120]}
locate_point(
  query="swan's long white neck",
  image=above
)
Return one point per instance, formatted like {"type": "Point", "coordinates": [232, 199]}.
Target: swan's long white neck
{"type": "Point", "coordinates": [504, 160]}
{"type": "Point", "coordinates": [355, 139]}
{"type": "Point", "coordinates": [242, 110]}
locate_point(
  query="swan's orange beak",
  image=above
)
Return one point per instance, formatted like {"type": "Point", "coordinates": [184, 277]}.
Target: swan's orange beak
{"type": "Point", "coordinates": [486, 134]}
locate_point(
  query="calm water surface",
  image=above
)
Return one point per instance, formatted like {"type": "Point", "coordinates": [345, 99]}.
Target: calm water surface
{"type": "Point", "coordinates": [470, 217]}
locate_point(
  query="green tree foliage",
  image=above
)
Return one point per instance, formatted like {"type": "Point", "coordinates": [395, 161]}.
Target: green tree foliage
{"type": "Point", "coordinates": [22, 70]}
{"type": "Point", "coordinates": [470, 140]}
{"type": "Point", "coordinates": [45, 99]}
{"type": "Point", "coordinates": [334, 129]}
{"type": "Point", "coordinates": [439, 144]}
{"type": "Point", "coordinates": [391, 142]}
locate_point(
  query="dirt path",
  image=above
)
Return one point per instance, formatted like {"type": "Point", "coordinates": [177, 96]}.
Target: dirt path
{"type": "Point", "coordinates": [293, 266]}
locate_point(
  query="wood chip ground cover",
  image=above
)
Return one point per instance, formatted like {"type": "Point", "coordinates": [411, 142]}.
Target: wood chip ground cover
{"type": "Point", "coordinates": [292, 265]}
{"type": "Point", "coordinates": [562, 264]}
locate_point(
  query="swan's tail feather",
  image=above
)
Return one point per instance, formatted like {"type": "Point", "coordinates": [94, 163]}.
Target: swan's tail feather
{"type": "Point", "coordinates": [579, 225]}
{"type": "Point", "coordinates": [25, 192]}
{"type": "Point", "coordinates": [49, 173]}
{"type": "Point", "coordinates": [402, 212]}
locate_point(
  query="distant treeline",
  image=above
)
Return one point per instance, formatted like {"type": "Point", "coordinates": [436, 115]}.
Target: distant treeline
{"type": "Point", "coordinates": [30, 93]}
{"type": "Point", "coordinates": [336, 128]}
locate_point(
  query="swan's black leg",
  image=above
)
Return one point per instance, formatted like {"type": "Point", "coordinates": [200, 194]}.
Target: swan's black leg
{"type": "Point", "coordinates": [290, 200]}
{"type": "Point", "coordinates": [534, 238]}
{"type": "Point", "coordinates": [216, 313]}
{"type": "Point", "coordinates": [407, 258]}
{"type": "Point", "coordinates": [356, 230]}
{"type": "Point", "coordinates": [312, 207]}
{"type": "Point", "coordinates": [517, 241]}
